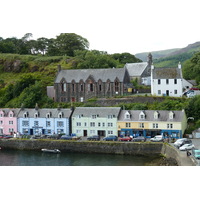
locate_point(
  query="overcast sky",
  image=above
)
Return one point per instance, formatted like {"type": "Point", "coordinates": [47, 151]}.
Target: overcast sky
{"type": "Point", "coordinates": [115, 26]}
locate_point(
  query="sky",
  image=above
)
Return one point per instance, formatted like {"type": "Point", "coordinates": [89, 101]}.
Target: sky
{"type": "Point", "coordinates": [115, 26]}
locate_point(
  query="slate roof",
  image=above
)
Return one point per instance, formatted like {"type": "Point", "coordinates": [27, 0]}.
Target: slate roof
{"type": "Point", "coordinates": [7, 110]}
{"type": "Point", "coordinates": [66, 113]}
{"type": "Point", "coordinates": [103, 74]}
{"type": "Point", "coordinates": [167, 73]}
{"type": "Point", "coordinates": [149, 116]}
{"type": "Point", "coordinates": [136, 69]}
{"type": "Point", "coordinates": [100, 111]}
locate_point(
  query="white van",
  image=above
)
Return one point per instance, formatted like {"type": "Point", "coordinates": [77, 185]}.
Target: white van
{"type": "Point", "coordinates": [157, 138]}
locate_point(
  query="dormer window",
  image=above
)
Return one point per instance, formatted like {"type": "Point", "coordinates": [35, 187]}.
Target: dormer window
{"type": "Point", "coordinates": [156, 115]}
{"type": "Point", "coordinates": [25, 115]}
{"type": "Point", "coordinates": [142, 115]}
{"type": "Point", "coordinates": [48, 115]}
{"type": "Point", "coordinates": [36, 115]}
{"type": "Point", "coordinates": [60, 115]}
{"type": "Point", "coordinates": [127, 115]}
{"type": "Point", "coordinates": [171, 115]}
{"type": "Point", "coordinates": [94, 116]}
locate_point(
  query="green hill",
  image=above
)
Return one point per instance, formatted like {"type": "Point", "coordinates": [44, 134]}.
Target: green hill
{"type": "Point", "coordinates": [155, 54]}
{"type": "Point", "coordinates": [171, 57]}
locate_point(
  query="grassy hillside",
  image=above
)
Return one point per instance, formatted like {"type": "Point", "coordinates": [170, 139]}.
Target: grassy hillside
{"type": "Point", "coordinates": [155, 54]}
{"type": "Point", "coordinates": [171, 57]}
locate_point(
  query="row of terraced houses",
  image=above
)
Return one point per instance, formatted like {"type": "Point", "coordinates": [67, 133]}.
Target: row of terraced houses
{"type": "Point", "coordinates": [87, 121]}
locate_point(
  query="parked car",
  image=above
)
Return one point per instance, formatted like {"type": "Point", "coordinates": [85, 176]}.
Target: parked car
{"type": "Point", "coordinates": [181, 142]}
{"type": "Point", "coordinates": [157, 138]}
{"type": "Point", "coordinates": [111, 138]}
{"type": "Point", "coordinates": [69, 137]}
{"type": "Point", "coordinates": [186, 147]}
{"type": "Point", "coordinates": [7, 136]}
{"type": "Point", "coordinates": [196, 153]}
{"type": "Point", "coordinates": [94, 137]}
{"type": "Point", "coordinates": [139, 139]}
{"type": "Point", "coordinates": [126, 138]}
{"type": "Point", "coordinates": [66, 137]}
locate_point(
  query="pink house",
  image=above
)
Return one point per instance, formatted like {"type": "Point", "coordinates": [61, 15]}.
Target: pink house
{"type": "Point", "coordinates": [8, 121]}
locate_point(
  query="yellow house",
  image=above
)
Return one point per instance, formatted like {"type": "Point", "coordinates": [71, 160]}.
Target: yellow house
{"type": "Point", "coordinates": [152, 122]}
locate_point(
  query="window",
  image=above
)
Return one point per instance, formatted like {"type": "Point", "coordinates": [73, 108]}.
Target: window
{"type": "Point", "coordinates": [155, 125]}
{"type": "Point", "coordinates": [141, 125]}
{"type": "Point", "coordinates": [94, 116]}
{"type": "Point", "coordinates": [142, 115]}
{"type": "Point", "coordinates": [110, 132]}
{"type": "Point", "coordinates": [110, 124]}
{"type": "Point", "coordinates": [116, 86]}
{"type": "Point", "coordinates": [90, 87]}
{"type": "Point", "coordinates": [36, 115]}
{"type": "Point", "coordinates": [60, 115]}
{"type": "Point", "coordinates": [25, 115]}
{"type": "Point", "coordinates": [81, 87]}
{"type": "Point", "coordinates": [10, 122]}
{"type": "Point", "coordinates": [85, 124]}
{"type": "Point", "coordinates": [110, 116]}
{"type": "Point", "coordinates": [78, 123]}
{"type": "Point", "coordinates": [92, 132]}
{"type": "Point", "coordinates": [175, 91]}
{"type": "Point", "coordinates": [1, 131]}
{"type": "Point", "coordinates": [100, 88]}
{"type": "Point", "coordinates": [11, 115]}
{"type": "Point", "coordinates": [60, 124]}
{"type": "Point", "coordinates": [25, 131]}
{"type": "Point", "coordinates": [48, 123]}
{"type": "Point", "coordinates": [48, 131]}
{"type": "Point", "coordinates": [48, 115]}
{"type": "Point", "coordinates": [128, 124]}
{"type": "Point", "coordinates": [103, 124]}
{"type": "Point", "coordinates": [11, 130]}
{"type": "Point", "coordinates": [1, 115]}
{"type": "Point", "coordinates": [1, 122]}
{"type": "Point", "coordinates": [169, 125]}
{"type": "Point", "coordinates": [167, 81]}
{"type": "Point", "coordinates": [159, 91]}
{"type": "Point", "coordinates": [92, 124]}
{"type": "Point", "coordinates": [156, 115]}
{"type": "Point", "coordinates": [78, 132]}
{"type": "Point", "coordinates": [36, 123]}
{"type": "Point", "coordinates": [60, 131]}
{"type": "Point", "coordinates": [175, 81]}
{"type": "Point", "coordinates": [99, 124]}
{"type": "Point", "coordinates": [73, 87]}
{"type": "Point", "coordinates": [25, 123]}
{"type": "Point", "coordinates": [159, 81]}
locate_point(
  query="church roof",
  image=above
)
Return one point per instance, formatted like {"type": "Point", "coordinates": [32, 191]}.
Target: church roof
{"type": "Point", "coordinates": [83, 74]}
{"type": "Point", "coordinates": [136, 69]}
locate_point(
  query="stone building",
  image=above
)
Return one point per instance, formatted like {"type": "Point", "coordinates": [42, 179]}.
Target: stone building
{"type": "Point", "coordinates": [140, 71]}
{"type": "Point", "coordinates": [82, 84]}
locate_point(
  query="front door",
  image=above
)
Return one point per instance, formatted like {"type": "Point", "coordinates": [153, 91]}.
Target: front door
{"type": "Point", "coordinates": [85, 133]}
{"type": "Point", "coordinates": [167, 92]}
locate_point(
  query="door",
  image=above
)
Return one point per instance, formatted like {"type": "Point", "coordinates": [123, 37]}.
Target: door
{"type": "Point", "coordinates": [167, 92]}
{"type": "Point", "coordinates": [101, 133]}
{"type": "Point", "coordinates": [85, 133]}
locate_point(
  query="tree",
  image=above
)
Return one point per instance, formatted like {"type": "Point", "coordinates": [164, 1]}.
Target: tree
{"type": "Point", "coordinates": [67, 43]}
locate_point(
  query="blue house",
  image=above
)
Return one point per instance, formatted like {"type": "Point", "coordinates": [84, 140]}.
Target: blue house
{"type": "Point", "coordinates": [44, 121]}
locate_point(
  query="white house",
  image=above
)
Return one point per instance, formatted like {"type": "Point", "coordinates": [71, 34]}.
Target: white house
{"type": "Point", "coordinates": [167, 81]}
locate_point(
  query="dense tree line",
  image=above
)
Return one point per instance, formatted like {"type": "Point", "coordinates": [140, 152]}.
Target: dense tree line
{"type": "Point", "coordinates": [64, 44]}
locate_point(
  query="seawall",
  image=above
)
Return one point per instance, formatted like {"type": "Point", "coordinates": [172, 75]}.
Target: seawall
{"type": "Point", "coordinates": [130, 148]}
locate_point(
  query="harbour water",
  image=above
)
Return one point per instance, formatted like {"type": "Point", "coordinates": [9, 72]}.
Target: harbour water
{"type": "Point", "coordinates": [37, 158]}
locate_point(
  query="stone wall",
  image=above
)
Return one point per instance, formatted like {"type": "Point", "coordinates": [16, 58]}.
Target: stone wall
{"type": "Point", "coordinates": [85, 146]}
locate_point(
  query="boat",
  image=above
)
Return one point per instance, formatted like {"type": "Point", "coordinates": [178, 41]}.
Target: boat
{"type": "Point", "coordinates": [51, 150]}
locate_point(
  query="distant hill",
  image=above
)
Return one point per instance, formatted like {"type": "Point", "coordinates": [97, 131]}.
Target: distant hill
{"type": "Point", "coordinates": [171, 57]}
{"type": "Point", "coordinates": [155, 54]}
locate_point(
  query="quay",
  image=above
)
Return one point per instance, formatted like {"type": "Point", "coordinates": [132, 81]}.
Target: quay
{"type": "Point", "coordinates": [130, 148]}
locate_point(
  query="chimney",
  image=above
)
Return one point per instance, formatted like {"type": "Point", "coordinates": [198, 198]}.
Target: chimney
{"type": "Point", "coordinates": [179, 65]}
{"type": "Point", "coordinates": [59, 68]}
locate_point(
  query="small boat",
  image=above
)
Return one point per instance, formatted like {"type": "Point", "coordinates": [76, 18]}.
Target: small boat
{"type": "Point", "coordinates": [51, 150]}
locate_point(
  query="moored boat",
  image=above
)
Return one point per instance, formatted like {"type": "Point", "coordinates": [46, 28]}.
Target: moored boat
{"type": "Point", "coordinates": [51, 150]}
